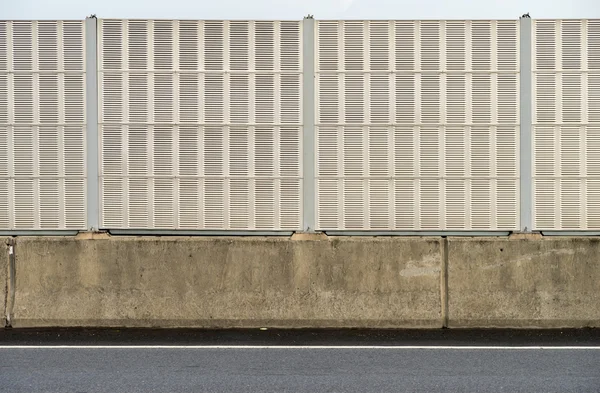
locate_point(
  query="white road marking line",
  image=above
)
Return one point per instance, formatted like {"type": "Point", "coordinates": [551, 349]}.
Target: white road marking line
{"type": "Point", "coordinates": [387, 347]}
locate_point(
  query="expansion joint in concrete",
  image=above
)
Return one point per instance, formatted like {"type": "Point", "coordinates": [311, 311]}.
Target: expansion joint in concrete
{"type": "Point", "coordinates": [444, 282]}
{"type": "Point", "coordinates": [9, 288]}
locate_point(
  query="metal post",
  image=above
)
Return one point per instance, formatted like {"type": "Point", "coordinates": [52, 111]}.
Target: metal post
{"type": "Point", "coordinates": [526, 151]}
{"type": "Point", "coordinates": [91, 105]}
{"type": "Point", "coordinates": [308, 121]}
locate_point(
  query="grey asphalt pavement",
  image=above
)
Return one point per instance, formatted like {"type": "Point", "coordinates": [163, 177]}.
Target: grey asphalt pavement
{"type": "Point", "coordinates": [370, 360]}
{"type": "Point", "coordinates": [307, 369]}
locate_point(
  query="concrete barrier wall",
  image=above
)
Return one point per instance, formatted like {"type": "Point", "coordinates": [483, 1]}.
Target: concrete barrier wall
{"type": "Point", "coordinates": [500, 282]}
{"type": "Point", "coordinates": [306, 282]}
{"type": "Point", "coordinates": [3, 279]}
{"type": "Point", "coordinates": [228, 282]}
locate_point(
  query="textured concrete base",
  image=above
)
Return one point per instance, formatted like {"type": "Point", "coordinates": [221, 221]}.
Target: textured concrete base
{"type": "Point", "coordinates": [307, 281]}
{"type": "Point", "coordinates": [3, 279]}
{"type": "Point", "coordinates": [228, 282]}
{"type": "Point", "coordinates": [549, 282]}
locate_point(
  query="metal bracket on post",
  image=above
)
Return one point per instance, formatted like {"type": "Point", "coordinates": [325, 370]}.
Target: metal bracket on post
{"type": "Point", "coordinates": [91, 115]}
{"type": "Point", "coordinates": [308, 123]}
{"type": "Point", "coordinates": [526, 151]}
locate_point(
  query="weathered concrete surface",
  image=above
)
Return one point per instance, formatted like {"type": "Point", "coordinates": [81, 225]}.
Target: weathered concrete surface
{"type": "Point", "coordinates": [500, 282]}
{"type": "Point", "coordinates": [228, 282]}
{"type": "Point", "coordinates": [3, 279]}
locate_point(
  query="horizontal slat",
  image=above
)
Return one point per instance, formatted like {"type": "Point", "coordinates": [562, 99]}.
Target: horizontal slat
{"type": "Point", "coordinates": [342, 46]}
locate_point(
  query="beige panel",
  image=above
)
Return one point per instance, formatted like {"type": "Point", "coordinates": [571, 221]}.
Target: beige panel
{"type": "Point", "coordinates": [42, 125]}
{"type": "Point", "coordinates": [200, 124]}
{"type": "Point", "coordinates": [417, 120]}
{"type": "Point", "coordinates": [566, 82]}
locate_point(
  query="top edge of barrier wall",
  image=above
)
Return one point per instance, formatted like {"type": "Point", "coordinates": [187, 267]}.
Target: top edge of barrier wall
{"type": "Point", "coordinates": [424, 20]}
{"type": "Point", "coordinates": [299, 19]}
{"type": "Point", "coordinates": [43, 20]}
{"type": "Point", "coordinates": [203, 20]}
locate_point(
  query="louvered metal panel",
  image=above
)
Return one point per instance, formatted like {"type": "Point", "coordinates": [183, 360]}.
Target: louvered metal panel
{"type": "Point", "coordinates": [417, 125]}
{"type": "Point", "coordinates": [42, 125]}
{"type": "Point", "coordinates": [200, 124]}
{"type": "Point", "coordinates": [566, 129]}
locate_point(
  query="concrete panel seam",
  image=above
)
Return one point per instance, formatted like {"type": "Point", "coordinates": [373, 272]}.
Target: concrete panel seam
{"type": "Point", "coordinates": [444, 283]}
{"type": "Point", "coordinates": [9, 300]}
{"type": "Point", "coordinates": [5, 289]}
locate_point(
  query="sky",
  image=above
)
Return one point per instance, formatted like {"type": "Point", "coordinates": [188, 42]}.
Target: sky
{"type": "Point", "coordinates": [296, 9]}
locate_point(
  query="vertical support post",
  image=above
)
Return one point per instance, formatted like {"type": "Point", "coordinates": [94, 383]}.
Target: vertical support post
{"type": "Point", "coordinates": [91, 116]}
{"type": "Point", "coordinates": [308, 123]}
{"type": "Point", "coordinates": [526, 150]}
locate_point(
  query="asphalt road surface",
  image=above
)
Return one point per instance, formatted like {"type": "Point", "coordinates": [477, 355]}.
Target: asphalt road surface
{"type": "Point", "coordinates": [299, 362]}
